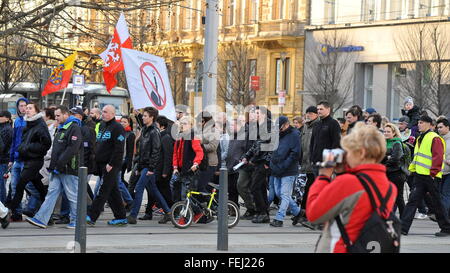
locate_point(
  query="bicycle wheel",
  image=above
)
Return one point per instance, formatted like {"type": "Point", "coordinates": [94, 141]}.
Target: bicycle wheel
{"type": "Point", "coordinates": [181, 215]}
{"type": "Point", "coordinates": [233, 214]}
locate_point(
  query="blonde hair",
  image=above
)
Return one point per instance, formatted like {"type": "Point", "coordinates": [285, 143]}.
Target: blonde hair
{"type": "Point", "coordinates": [394, 129]}
{"type": "Point", "coordinates": [368, 138]}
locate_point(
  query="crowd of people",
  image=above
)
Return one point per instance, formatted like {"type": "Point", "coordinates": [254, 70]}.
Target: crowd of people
{"type": "Point", "coordinates": [43, 150]}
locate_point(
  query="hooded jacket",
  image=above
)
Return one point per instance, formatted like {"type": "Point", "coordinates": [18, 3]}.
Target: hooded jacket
{"type": "Point", "coordinates": [19, 124]}
{"type": "Point", "coordinates": [66, 154]}
{"type": "Point", "coordinates": [36, 139]}
{"type": "Point", "coordinates": [413, 114]}
{"type": "Point", "coordinates": [284, 160]}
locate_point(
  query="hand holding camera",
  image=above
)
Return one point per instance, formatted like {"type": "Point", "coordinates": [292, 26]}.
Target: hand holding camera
{"type": "Point", "coordinates": [332, 160]}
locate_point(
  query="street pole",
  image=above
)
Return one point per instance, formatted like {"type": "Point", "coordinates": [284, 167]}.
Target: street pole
{"type": "Point", "coordinates": [222, 230]}
{"type": "Point", "coordinates": [80, 229]}
{"type": "Point", "coordinates": [64, 94]}
{"type": "Point", "coordinates": [210, 54]}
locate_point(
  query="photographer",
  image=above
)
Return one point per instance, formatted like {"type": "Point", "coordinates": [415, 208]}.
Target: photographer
{"type": "Point", "coordinates": [345, 196]}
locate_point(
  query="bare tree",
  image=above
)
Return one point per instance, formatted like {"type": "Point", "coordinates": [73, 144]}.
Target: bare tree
{"type": "Point", "coordinates": [329, 69]}
{"type": "Point", "coordinates": [423, 49]}
{"type": "Point", "coordinates": [234, 70]}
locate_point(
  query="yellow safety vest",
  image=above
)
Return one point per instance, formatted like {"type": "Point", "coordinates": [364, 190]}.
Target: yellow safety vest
{"type": "Point", "coordinates": [422, 161]}
{"type": "Point", "coordinates": [97, 127]}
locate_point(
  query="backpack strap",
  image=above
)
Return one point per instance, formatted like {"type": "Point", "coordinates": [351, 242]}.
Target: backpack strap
{"type": "Point", "coordinates": [383, 201]}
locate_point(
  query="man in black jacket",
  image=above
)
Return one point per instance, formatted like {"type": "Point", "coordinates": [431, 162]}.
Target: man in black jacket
{"type": "Point", "coordinates": [149, 156]}
{"type": "Point", "coordinates": [326, 134]}
{"type": "Point", "coordinates": [108, 156]}
{"type": "Point", "coordinates": [64, 164]}
{"type": "Point", "coordinates": [6, 134]}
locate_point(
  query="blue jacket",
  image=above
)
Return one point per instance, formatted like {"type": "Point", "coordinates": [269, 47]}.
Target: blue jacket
{"type": "Point", "coordinates": [285, 159]}
{"type": "Point", "coordinates": [19, 124]}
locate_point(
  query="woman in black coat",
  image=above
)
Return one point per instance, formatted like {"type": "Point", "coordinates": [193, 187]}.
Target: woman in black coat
{"type": "Point", "coordinates": [36, 141]}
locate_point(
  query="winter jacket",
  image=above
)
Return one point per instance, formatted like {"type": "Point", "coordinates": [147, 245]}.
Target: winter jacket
{"type": "Point", "coordinates": [345, 196]}
{"type": "Point", "coordinates": [130, 138]}
{"type": "Point", "coordinates": [186, 152]}
{"type": "Point", "coordinates": [326, 135]}
{"type": "Point", "coordinates": [255, 155]}
{"type": "Point", "coordinates": [236, 149]}
{"type": "Point", "coordinates": [36, 139]}
{"type": "Point", "coordinates": [165, 162]}
{"type": "Point", "coordinates": [210, 142]}
{"type": "Point", "coordinates": [51, 125]}
{"type": "Point", "coordinates": [6, 137]}
{"type": "Point", "coordinates": [67, 152]}
{"type": "Point", "coordinates": [394, 154]}
{"type": "Point", "coordinates": [306, 135]}
{"type": "Point", "coordinates": [19, 124]}
{"type": "Point", "coordinates": [414, 116]}
{"type": "Point", "coordinates": [149, 148]}
{"type": "Point", "coordinates": [89, 137]}
{"type": "Point", "coordinates": [110, 143]}
{"type": "Point", "coordinates": [284, 160]}
{"type": "Point", "coordinates": [447, 153]}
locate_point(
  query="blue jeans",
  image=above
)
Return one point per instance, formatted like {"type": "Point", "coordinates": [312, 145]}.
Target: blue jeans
{"type": "Point", "coordinates": [34, 200]}
{"type": "Point", "coordinates": [126, 196]}
{"type": "Point", "coordinates": [3, 169]}
{"type": "Point", "coordinates": [444, 190]}
{"type": "Point", "coordinates": [65, 205]}
{"type": "Point", "coordinates": [272, 189]}
{"type": "Point", "coordinates": [58, 184]}
{"type": "Point", "coordinates": [283, 189]}
{"type": "Point", "coordinates": [139, 192]}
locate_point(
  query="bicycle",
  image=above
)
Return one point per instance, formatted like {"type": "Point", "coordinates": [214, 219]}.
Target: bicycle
{"type": "Point", "coordinates": [183, 213]}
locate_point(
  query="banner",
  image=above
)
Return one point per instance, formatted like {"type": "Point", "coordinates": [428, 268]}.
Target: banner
{"type": "Point", "coordinates": [60, 77]}
{"type": "Point", "coordinates": [112, 56]}
{"type": "Point", "coordinates": [148, 82]}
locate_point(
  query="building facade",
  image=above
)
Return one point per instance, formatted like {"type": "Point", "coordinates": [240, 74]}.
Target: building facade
{"type": "Point", "coordinates": [396, 49]}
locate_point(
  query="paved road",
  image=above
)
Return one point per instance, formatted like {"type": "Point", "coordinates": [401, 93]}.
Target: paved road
{"type": "Point", "coordinates": [149, 236]}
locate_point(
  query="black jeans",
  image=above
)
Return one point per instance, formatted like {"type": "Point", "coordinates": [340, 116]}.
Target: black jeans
{"type": "Point", "coordinates": [398, 178]}
{"type": "Point", "coordinates": [424, 184]}
{"type": "Point", "coordinates": [233, 194]}
{"type": "Point", "coordinates": [310, 177]}
{"type": "Point", "coordinates": [30, 173]}
{"type": "Point", "coordinates": [259, 189]}
{"type": "Point", "coordinates": [109, 191]}
{"type": "Point", "coordinates": [164, 188]}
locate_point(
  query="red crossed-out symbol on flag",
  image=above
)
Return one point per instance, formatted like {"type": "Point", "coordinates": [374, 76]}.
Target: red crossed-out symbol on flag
{"type": "Point", "coordinates": [153, 84]}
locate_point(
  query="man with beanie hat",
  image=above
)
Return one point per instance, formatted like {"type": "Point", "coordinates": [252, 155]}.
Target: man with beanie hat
{"type": "Point", "coordinates": [426, 167]}
{"type": "Point", "coordinates": [284, 169]}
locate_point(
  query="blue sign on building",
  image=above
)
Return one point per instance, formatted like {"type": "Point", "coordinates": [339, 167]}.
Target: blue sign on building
{"type": "Point", "coordinates": [325, 49]}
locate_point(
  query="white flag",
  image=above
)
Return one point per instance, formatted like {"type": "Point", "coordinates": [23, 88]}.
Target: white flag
{"type": "Point", "coordinates": [148, 82]}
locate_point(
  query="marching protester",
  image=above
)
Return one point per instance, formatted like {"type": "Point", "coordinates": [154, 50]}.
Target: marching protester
{"type": "Point", "coordinates": [65, 161]}
{"type": "Point", "coordinates": [35, 143]}
{"type": "Point", "coordinates": [149, 156]}
{"type": "Point", "coordinates": [96, 117]}
{"type": "Point", "coordinates": [344, 197]}
{"type": "Point", "coordinates": [443, 126]}
{"type": "Point", "coordinates": [108, 156]}
{"type": "Point", "coordinates": [128, 154]}
{"type": "Point", "coordinates": [284, 170]}
{"type": "Point", "coordinates": [353, 115]}
{"type": "Point", "coordinates": [426, 168]}
{"type": "Point", "coordinates": [6, 135]}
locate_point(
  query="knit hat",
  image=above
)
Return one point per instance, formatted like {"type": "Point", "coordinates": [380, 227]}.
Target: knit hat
{"type": "Point", "coordinates": [371, 111]}
{"type": "Point", "coordinates": [408, 100]}
{"type": "Point", "coordinates": [311, 109]}
{"type": "Point", "coordinates": [404, 119]}
{"type": "Point", "coordinates": [282, 120]}
{"type": "Point", "coordinates": [426, 119]}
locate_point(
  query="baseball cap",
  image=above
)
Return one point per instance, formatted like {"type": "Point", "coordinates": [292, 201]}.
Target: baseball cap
{"type": "Point", "coordinates": [371, 110]}
{"type": "Point", "coordinates": [404, 119]}
{"type": "Point", "coordinates": [5, 114]}
{"type": "Point", "coordinates": [281, 121]}
{"type": "Point", "coordinates": [77, 110]}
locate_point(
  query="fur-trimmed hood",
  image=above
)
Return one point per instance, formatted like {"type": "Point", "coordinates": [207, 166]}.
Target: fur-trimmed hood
{"type": "Point", "coordinates": [35, 117]}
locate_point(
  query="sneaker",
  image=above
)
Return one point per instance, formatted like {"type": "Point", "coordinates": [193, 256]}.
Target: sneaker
{"type": "Point", "coordinates": [165, 218]}
{"type": "Point", "coordinates": [118, 222]}
{"type": "Point", "coordinates": [276, 223]}
{"type": "Point", "coordinates": [89, 221]}
{"type": "Point", "coordinates": [64, 220]}
{"type": "Point", "coordinates": [197, 217]}
{"type": "Point", "coordinates": [421, 216]}
{"type": "Point", "coordinates": [50, 222]}
{"type": "Point", "coordinates": [5, 221]}
{"type": "Point", "coordinates": [261, 219]}
{"type": "Point", "coordinates": [248, 215]}
{"type": "Point", "coordinates": [159, 212]}
{"type": "Point", "coordinates": [146, 217]}
{"type": "Point", "coordinates": [298, 218]}
{"type": "Point", "coordinates": [36, 222]}
{"type": "Point", "coordinates": [131, 220]}
{"type": "Point", "coordinates": [309, 225]}
{"type": "Point", "coordinates": [71, 226]}
{"type": "Point", "coordinates": [442, 233]}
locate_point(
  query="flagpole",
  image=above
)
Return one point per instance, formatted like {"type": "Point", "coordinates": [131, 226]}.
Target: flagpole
{"type": "Point", "coordinates": [64, 94]}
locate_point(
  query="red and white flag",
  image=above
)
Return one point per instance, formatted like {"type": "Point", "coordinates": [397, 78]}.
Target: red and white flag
{"type": "Point", "coordinates": [112, 56]}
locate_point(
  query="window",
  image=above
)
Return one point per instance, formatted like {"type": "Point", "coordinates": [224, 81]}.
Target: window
{"type": "Point", "coordinates": [411, 8]}
{"type": "Point", "coordinates": [330, 11]}
{"type": "Point", "coordinates": [252, 67]}
{"type": "Point", "coordinates": [278, 10]}
{"type": "Point", "coordinates": [230, 13]}
{"type": "Point", "coordinates": [252, 11]}
{"type": "Point", "coordinates": [396, 9]}
{"type": "Point", "coordinates": [425, 8]}
{"type": "Point", "coordinates": [368, 85]}
{"type": "Point", "coordinates": [383, 10]}
{"type": "Point", "coordinates": [282, 76]}
{"type": "Point", "coordinates": [368, 11]}
{"type": "Point", "coordinates": [186, 73]}
{"type": "Point", "coordinates": [187, 15]}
